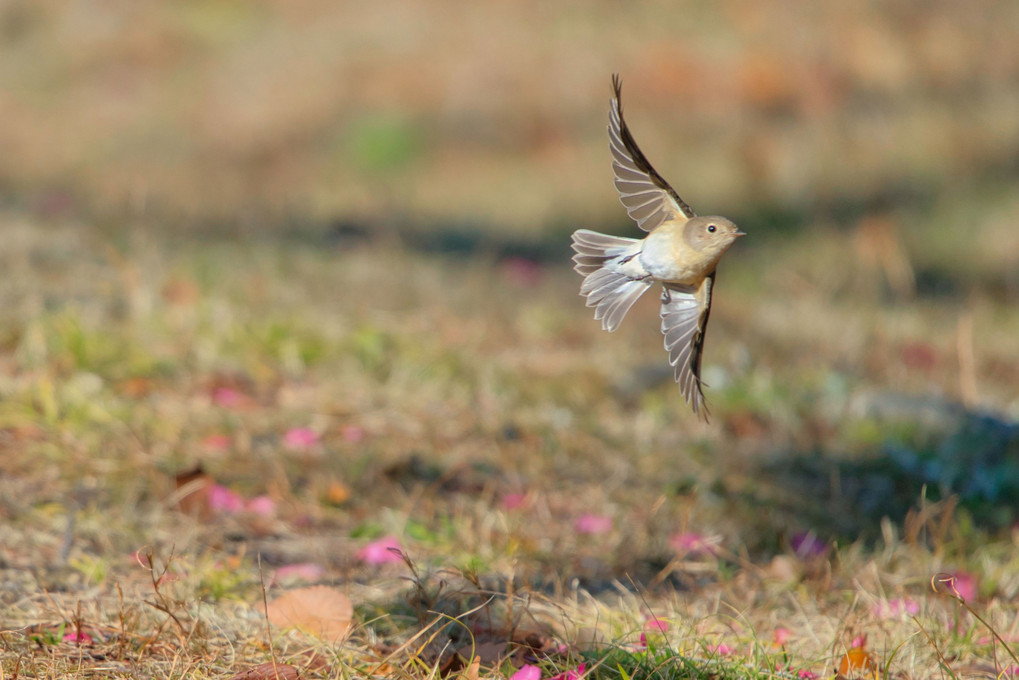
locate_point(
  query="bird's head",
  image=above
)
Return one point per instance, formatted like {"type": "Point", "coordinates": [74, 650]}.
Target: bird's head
{"type": "Point", "coordinates": [710, 236]}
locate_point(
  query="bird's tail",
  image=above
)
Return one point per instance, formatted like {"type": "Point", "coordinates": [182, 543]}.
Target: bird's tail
{"type": "Point", "coordinates": [613, 276]}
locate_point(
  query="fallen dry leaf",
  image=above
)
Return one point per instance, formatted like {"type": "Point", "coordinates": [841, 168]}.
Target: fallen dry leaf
{"type": "Point", "coordinates": [181, 292]}
{"type": "Point", "coordinates": [857, 663]}
{"type": "Point", "coordinates": [136, 387]}
{"type": "Point", "coordinates": [192, 490]}
{"type": "Point", "coordinates": [473, 670]}
{"type": "Point", "coordinates": [321, 611]}
{"type": "Point", "coordinates": [491, 653]}
{"type": "Point", "coordinates": [338, 493]}
{"type": "Point", "coordinates": [310, 660]}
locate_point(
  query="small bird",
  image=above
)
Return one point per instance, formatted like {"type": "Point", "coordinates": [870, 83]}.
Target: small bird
{"type": "Point", "coordinates": [681, 252]}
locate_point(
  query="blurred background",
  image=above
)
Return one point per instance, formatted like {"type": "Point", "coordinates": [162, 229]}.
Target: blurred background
{"type": "Point", "coordinates": [376, 199]}
{"type": "Point", "coordinates": [265, 113]}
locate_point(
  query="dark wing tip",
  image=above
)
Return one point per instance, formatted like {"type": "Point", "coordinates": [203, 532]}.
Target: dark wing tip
{"type": "Point", "coordinates": [693, 394]}
{"type": "Point", "coordinates": [617, 86]}
{"type": "Point", "coordinates": [700, 404]}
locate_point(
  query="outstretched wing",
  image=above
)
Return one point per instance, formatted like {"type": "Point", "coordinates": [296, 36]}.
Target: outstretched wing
{"type": "Point", "coordinates": [647, 197]}
{"type": "Point", "coordinates": [685, 311]}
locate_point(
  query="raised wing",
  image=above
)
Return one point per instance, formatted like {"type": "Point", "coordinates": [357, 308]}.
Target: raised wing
{"type": "Point", "coordinates": [685, 311]}
{"type": "Point", "coordinates": [647, 197]}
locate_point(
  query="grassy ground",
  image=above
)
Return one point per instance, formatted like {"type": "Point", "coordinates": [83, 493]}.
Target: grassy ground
{"type": "Point", "coordinates": [538, 474]}
{"type": "Point", "coordinates": [284, 284]}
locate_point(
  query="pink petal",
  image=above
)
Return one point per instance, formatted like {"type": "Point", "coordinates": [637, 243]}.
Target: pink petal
{"type": "Point", "coordinates": [527, 672]}
{"type": "Point", "coordinates": [592, 524]}
{"type": "Point", "coordinates": [891, 609]}
{"type": "Point", "coordinates": [721, 649]}
{"type": "Point", "coordinates": [261, 505]}
{"type": "Point", "coordinates": [299, 438]}
{"type": "Point", "coordinates": [224, 396]}
{"type": "Point", "coordinates": [695, 544]}
{"type": "Point", "coordinates": [965, 585]}
{"type": "Point", "coordinates": [655, 625]}
{"type": "Point", "coordinates": [216, 442]}
{"type": "Point", "coordinates": [804, 674]}
{"type": "Point", "coordinates": [859, 642]}
{"type": "Point", "coordinates": [77, 637]}
{"type": "Point", "coordinates": [575, 674]}
{"type": "Point", "coordinates": [782, 636]}
{"type": "Point", "coordinates": [168, 577]}
{"type": "Point", "coordinates": [382, 551]}
{"type": "Point", "coordinates": [959, 584]}
{"type": "Point", "coordinates": [222, 499]}
{"type": "Point", "coordinates": [512, 501]}
{"type": "Point", "coordinates": [352, 433]}
{"type": "Point", "coordinates": [305, 571]}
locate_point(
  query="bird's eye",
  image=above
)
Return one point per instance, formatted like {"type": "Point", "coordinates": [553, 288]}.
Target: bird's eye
{"type": "Point", "coordinates": [711, 228]}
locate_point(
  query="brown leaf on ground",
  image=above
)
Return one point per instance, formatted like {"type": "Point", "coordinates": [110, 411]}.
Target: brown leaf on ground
{"type": "Point", "coordinates": [746, 425]}
{"type": "Point", "coordinates": [268, 671]}
{"type": "Point", "coordinates": [136, 387]}
{"type": "Point", "coordinates": [337, 493]}
{"type": "Point", "coordinates": [321, 611]}
{"type": "Point", "coordinates": [473, 670]}
{"type": "Point", "coordinates": [490, 653]}
{"type": "Point", "coordinates": [181, 292]}
{"type": "Point", "coordinates": [192, 491]}
{"type": "Point", "coordinates": [311, 661]}
{"type": "Point", "coordinates": [535, 641]}
{"type": "Point", "coordinates": [519, 645]}
{"type": "Point", "coordinates": [446, 661]}
{"type": "Point", "coordinates": [857, 663]}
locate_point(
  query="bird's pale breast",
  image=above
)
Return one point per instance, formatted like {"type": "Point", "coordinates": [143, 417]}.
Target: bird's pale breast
{"type": "Point", "coordinates": [667, 257]}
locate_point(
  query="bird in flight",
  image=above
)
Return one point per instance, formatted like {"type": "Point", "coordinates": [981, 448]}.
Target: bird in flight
{"type": "Point", "coordinates": [681, 252]}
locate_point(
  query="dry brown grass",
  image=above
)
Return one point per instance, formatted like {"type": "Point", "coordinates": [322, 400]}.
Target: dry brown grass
{"type": "Point", "coordinates": [435, 401]}
{"type": "Point", "coordinates": [403, 179]}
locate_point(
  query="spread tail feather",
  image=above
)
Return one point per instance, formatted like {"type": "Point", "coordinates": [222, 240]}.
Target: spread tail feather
{"type": "Point", "coordinates": [613, 278]}
{"type": "Point", "coordinates": [593, 249]}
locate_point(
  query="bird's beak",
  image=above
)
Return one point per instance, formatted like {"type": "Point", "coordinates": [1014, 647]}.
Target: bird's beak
{"type": "Point", "coordinates": [739, 232]}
